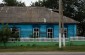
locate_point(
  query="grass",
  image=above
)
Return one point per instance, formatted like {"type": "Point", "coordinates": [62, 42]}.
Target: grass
{"type": "Point", "coordinates": [42, 48]}
{"type": "Point", "coordinates": [26, 48]}
{"type": "Point", "coordinates": [75, 48]}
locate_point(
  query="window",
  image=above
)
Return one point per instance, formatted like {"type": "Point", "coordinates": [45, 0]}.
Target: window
{"type": "Point", "coordinates": [50, 33]}
{"type": "Point", "coordinates": [65, 32]}
{"type": "Point", "coordinates": [15, 32]}
{"type": "Point", "coordinates": [36, 33]}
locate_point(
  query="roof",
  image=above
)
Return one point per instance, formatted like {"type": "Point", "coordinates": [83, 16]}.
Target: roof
{"type": "Point", "coordinates": [30, 15]}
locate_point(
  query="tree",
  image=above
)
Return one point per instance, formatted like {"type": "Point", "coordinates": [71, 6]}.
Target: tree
{"type": "Point", "coordinates": [72, 8]}
{"type": "Point", "coordinates": [13, 3]}
{"type": "Point", "coordinates": [47, 3]}
{"type": "Point", "coordinates": [5, 34]}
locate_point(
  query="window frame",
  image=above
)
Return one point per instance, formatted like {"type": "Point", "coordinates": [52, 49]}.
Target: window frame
{"type": "Point", "coordinates": [37, 32]}
{"type": "Point", "coordinates": [48, 33]}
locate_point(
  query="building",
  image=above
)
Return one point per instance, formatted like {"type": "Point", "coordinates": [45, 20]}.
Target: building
{"type": "Point", "coordinates": [36, 22]}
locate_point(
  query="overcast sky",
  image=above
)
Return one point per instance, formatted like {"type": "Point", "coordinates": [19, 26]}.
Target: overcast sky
{"type": "Point", "coordinates": [27, 2]}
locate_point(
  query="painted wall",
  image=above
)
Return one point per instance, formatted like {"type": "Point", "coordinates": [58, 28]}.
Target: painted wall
{"type": "Point", "coordinates": [71, 30]}
{"type": "Point", "coordinates": [26, 30]}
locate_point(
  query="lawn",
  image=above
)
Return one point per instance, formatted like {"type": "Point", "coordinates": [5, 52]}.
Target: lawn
{"type": "Point", "coordinates": [42, 48]}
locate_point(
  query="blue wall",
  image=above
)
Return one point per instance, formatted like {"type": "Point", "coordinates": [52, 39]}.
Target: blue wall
{"type": "Point", "coordinates": [26, 30]}
{"type": "Point", "coordinates": [71, 30]}
{"type": "Point", "coordinates": [56, 31]}
{"type": "Point", "coordinates": [43, 31]}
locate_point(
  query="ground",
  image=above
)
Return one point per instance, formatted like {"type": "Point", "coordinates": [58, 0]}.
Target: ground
{"type": "Point", "coordinates": [43, 53]}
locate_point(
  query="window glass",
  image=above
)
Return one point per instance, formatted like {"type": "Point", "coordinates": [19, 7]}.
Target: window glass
{"type": "Point", "coordinates": [50, 33]}
{"type": "Point", "coordinates": [65, 32]}
{"type": "Point", "coordinates": [35, 32]}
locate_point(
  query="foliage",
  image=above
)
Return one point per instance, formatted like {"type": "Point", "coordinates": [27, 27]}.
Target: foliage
{"type": "Point", "coordinates": [5, 34]}
{"type": "Point", "coordinates": [47, 3]}
{"type": "Point", "coordinates": [71, 8]}
{"type": "Point", "coordinates": [15, 32]}
{"type": "Point", "coordinates": [13, 3]}
{"type": "Point", "coordinates": [81, 29]}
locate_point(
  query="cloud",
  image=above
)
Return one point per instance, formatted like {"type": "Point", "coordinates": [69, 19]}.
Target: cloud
{"type": "Point", "coordinates": [0, 1]}
{"type": "Point", "coordinates": [27, 2]}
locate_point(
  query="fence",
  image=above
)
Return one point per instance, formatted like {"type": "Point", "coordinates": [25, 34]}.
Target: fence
{"type": "Point", "coordinates": [46, 39]}
{"type": "Point", "coordinates": [77, 38]}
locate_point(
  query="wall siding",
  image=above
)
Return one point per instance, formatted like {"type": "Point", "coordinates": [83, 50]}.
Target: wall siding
{"type": "Point", "coordinates": [43, 31]}
{"type": "Point", "coordinates": [26, 30]}
{"type": "Point", "coordinates": [71, 30]}
{"type": "Point", "coordinates": [56, 31]}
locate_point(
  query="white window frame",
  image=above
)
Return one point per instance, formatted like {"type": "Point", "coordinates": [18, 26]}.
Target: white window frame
{"type": "Point", "coordinates": [37, 32]}
{"type": "Point", "coordinates": [49, 32]}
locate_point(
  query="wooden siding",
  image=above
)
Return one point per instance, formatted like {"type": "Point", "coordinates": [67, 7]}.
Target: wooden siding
{"type": "Point", "coordinates": [71, 30]}
{"type": "Point", "coordinates": [26, 30]}
{"type": "Point", "coordinates": [43, 31]}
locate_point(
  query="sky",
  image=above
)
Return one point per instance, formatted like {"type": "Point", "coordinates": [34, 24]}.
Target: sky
{"type": "Point", "coordinates": [27, 2]}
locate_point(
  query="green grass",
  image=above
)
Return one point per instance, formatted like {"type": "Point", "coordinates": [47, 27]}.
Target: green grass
{"type": "Point", "coordinates": [42, 48]}
{"type": "Point", "coordinates": [27, 48]}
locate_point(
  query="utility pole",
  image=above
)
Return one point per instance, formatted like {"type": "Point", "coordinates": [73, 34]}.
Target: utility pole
{"type": "Point", "coordinates": [63, 35]}
{"type": "Point", "coordinates": [60, 23]}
